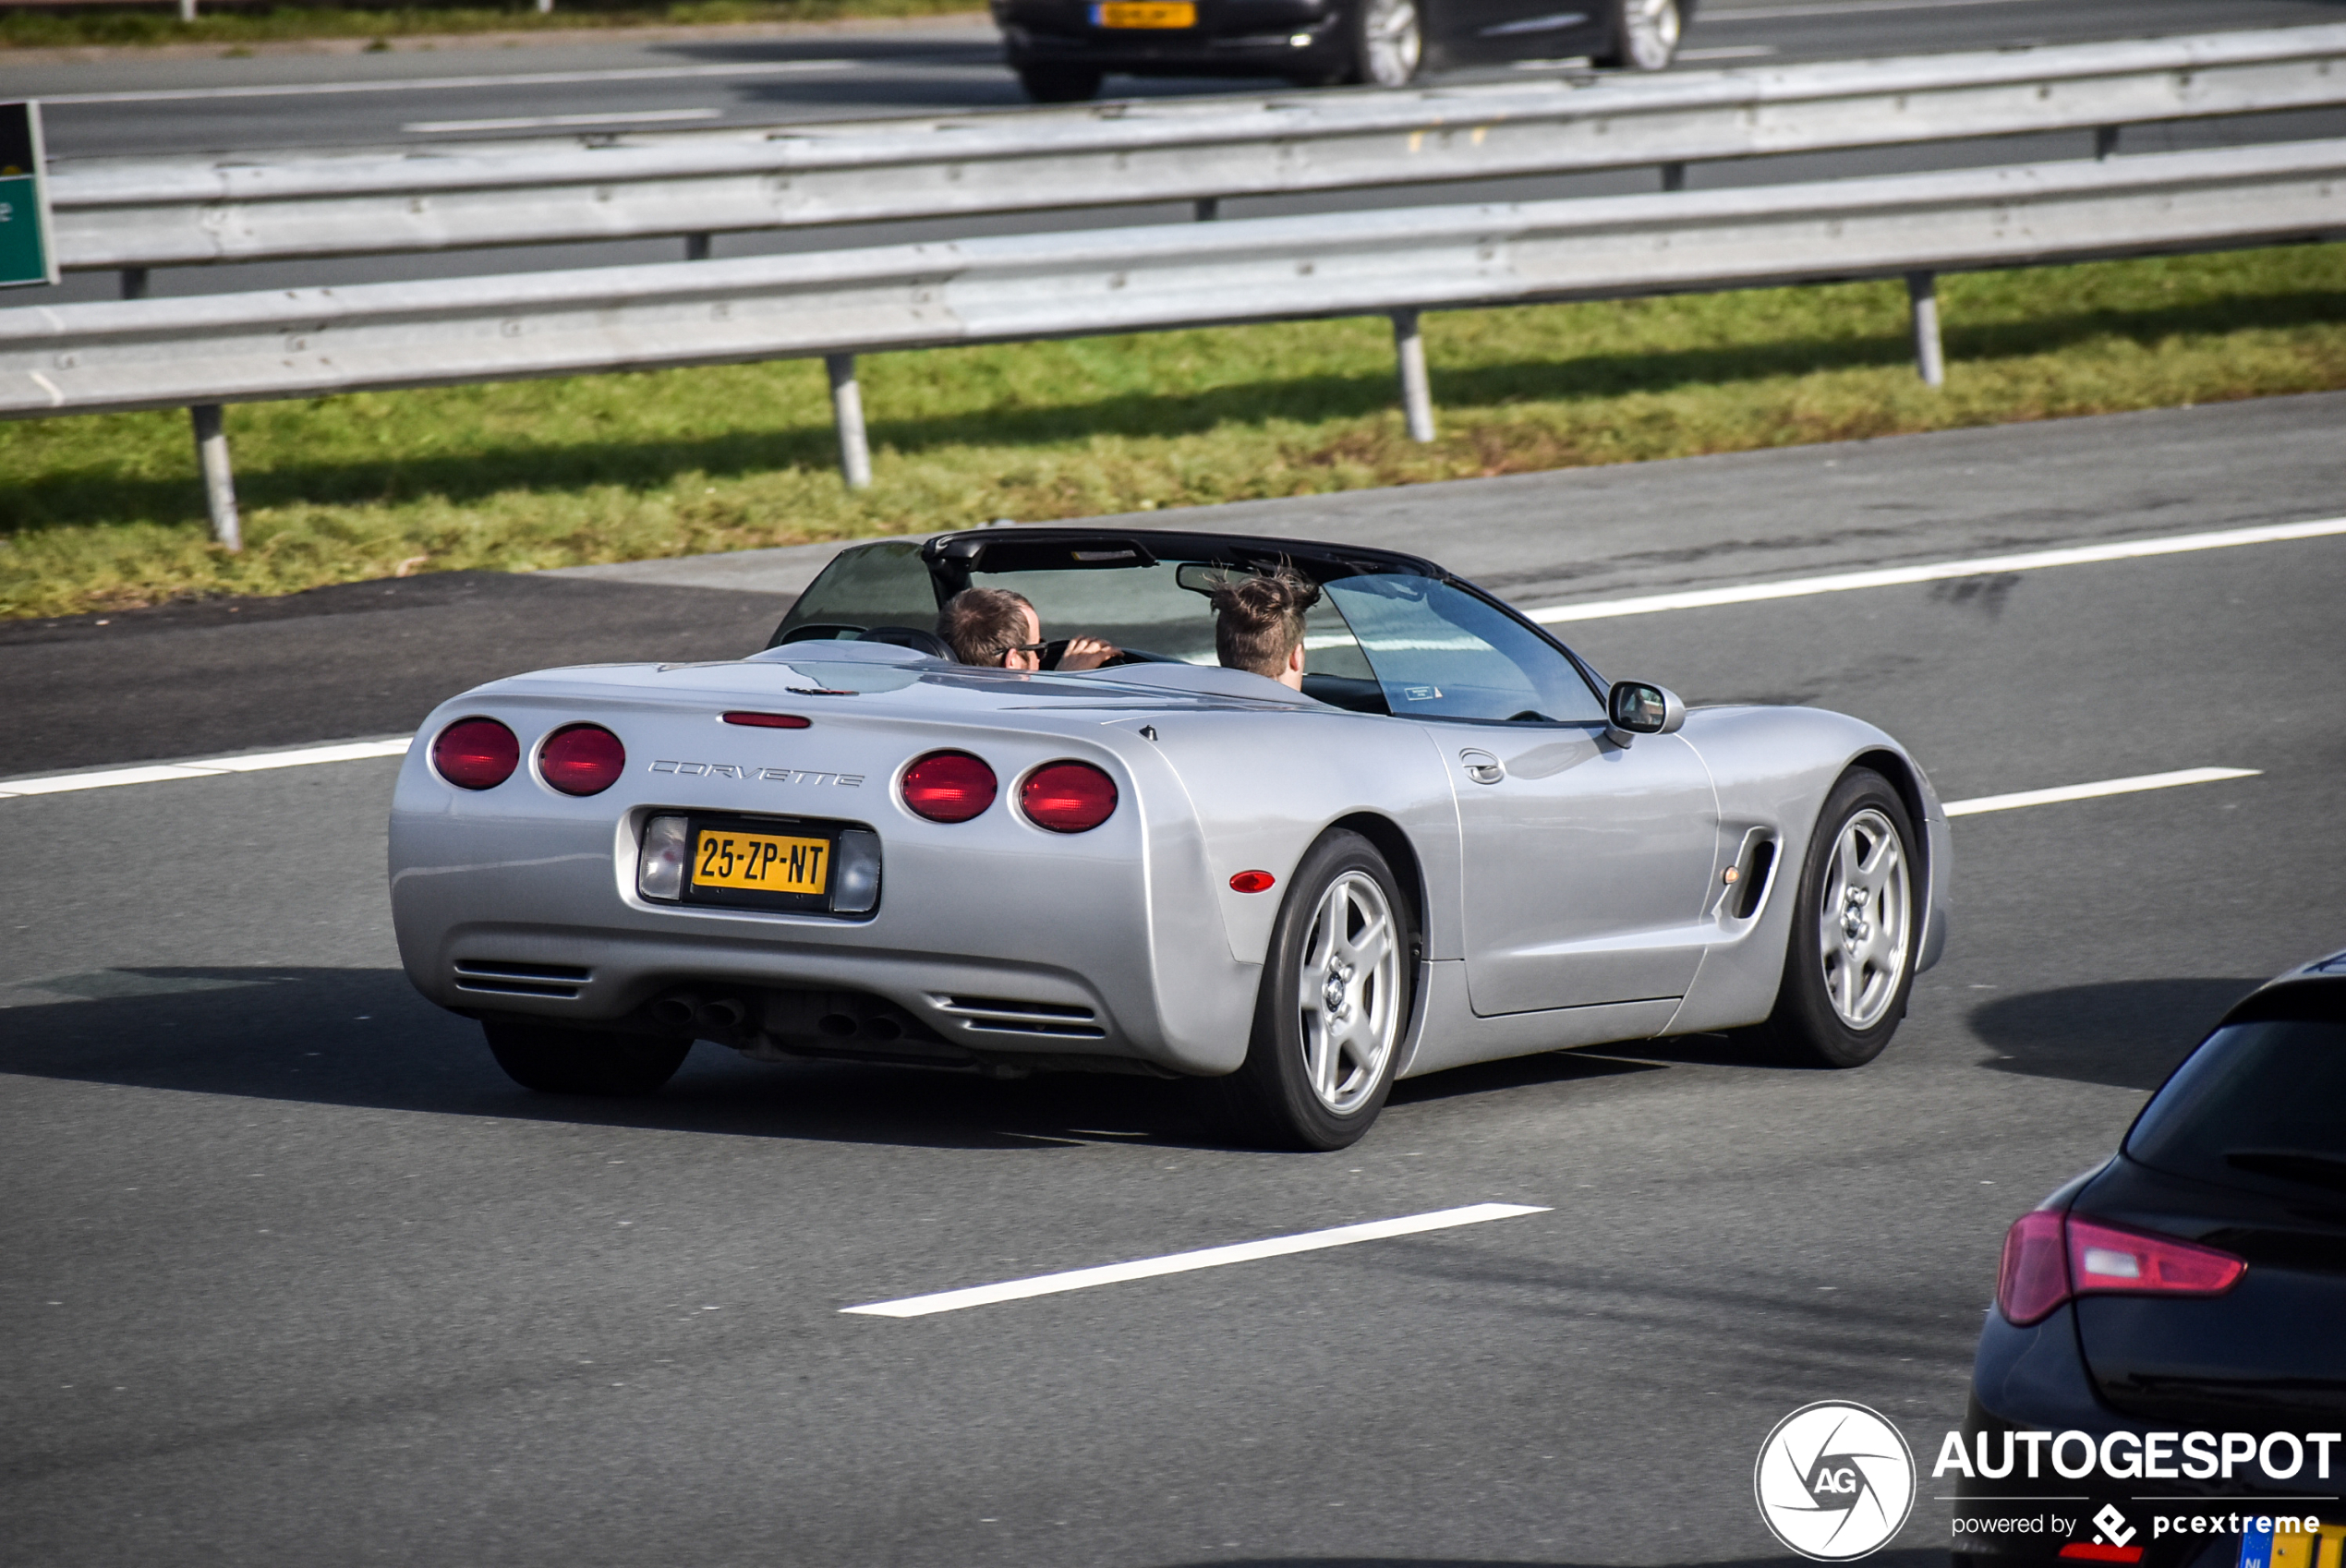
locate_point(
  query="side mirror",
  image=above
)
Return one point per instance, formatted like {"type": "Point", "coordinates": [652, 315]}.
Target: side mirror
{"type": "Point", "coordinates": [1639, 707]}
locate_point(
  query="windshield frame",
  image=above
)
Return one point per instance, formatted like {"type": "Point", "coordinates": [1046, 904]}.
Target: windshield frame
{"type": "Point", "coordinates": [954, 561]}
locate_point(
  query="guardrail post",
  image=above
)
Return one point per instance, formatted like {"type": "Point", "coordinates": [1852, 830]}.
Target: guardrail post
{"type": "Point", "coordinates": [847, 412]}
{"type": "Point", "coordinates": [186, 11]}
{"type": "Point", "coordinates": [1416, 392]}
{"type": "Point", "coordinates": [1931, 358]}
{"type": "Point", "coordinates": [1673, 176]}
{"type": "Point", "coordinates": [219, 480]}
{"type": "Point", "coordinates": [1208, 208]}
{"type": "Point", "coordinates": [2105, 142]}
{"type": "Point", "coordinates": [133, 282]}
{"type": "Point", "coordinates": [696, 247]}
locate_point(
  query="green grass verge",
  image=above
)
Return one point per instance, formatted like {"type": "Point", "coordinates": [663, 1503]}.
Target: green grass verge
{"type": "Point", "coordinates": [136, 27]}
{"type": "Point", "coordinates": [106, 511]}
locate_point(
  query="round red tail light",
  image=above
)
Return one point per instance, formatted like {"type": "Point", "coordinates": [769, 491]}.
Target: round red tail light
{"type": "Point", "coordinates": [948, 787]}
{"type": "Point", "coordinates": [1067, 797]}
{"type": "Point", "coordinates": [582, 759]}
{"type": "Point", "coordinates": [476, 754]}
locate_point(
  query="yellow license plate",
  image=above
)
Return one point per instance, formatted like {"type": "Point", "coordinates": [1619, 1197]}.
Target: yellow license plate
{"type": "Point", "coordinates": [761, 861]}
{"type": "Point", "coordinates": [1145, 13]}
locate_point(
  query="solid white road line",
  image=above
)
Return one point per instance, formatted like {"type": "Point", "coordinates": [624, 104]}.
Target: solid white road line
{"type": "Point", "coordinates": [437, 84]}
{"type": "Point", "coordinates": [2093, 792]}
{"type": "Point", "coordinates": [558, 122]}
{"type": "Point", "coordinates": [1897, 576]}
{"type": "Point", "coordinates": [1183, 1262]}
{"type": "Point", "coordinates": [1715, 15]}
{"type": "Point", "coordinates": [157, 773]}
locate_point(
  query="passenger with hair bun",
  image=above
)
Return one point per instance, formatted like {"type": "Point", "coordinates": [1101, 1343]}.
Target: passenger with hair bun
{"type": "Point", "coordinates": [1258, 625]}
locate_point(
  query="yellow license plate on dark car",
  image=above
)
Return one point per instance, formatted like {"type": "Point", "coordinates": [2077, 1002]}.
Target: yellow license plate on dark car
{"type": "Point", "coordinates": [1145, 13]}
{"type": "Point", "coordinates": [760, 862]}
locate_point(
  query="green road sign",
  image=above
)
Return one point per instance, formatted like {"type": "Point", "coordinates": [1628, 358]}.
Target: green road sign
{"type": "Point", "coordinates": [26, 255]}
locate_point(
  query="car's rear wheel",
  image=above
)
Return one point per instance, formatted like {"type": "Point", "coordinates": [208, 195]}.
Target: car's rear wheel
{"type": "Point", "coordinates": [554, 1060]}
{"type": "Point", "coordinates": [1849, 960]}
{"type": "Point", "coordinates": [1645, 34]}
{"type": "Point", "coordinates": [1333, 1005]}
{"type": "Point", "coordinates": [1389, 41]}
{"type": "Point", "coordinates": [1061, 84]}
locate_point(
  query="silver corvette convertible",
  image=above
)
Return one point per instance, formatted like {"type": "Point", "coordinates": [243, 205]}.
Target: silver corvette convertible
{"type": "Point", "coordinates": [1456, 843]}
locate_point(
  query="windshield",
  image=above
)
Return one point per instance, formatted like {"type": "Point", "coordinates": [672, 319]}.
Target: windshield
{"type": "Point", "coordinates": [1374, 642]}
{"type": "Point", "coordinates": [2266, 1101]}
{"type": "Point", "coordinates": [1439, 652]}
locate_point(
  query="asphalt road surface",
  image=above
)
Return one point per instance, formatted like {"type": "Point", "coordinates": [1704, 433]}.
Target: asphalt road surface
{"type": "Point", "coordinates": [294, 1276]}
{"type": "Point", "coordinates": [129, 105]}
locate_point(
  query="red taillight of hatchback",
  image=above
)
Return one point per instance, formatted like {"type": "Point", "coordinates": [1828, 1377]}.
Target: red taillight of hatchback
{"type": "Point", "coordinates": [2051, 1257]}
{"type": "Point", "coordinates": [582, 759]}
{"type": "Point", "coordinates": [948, 787]}
{"type": "Point", "coordinates": [476, 754]}
{"type": "Point", "coordinates": [1068, 797]}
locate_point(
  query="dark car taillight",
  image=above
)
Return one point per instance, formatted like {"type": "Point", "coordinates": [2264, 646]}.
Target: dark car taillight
{"type": "Point", "coordinates": [1068, 797]}
{"type": "Point", "coordinates": [2051, 1257]}
{"type": "Point", "coordinates": [948, 787]}
{"type": "Point", "coordinates": [582, 759]}
{"type": "Point", "coordinates": [476, 754]}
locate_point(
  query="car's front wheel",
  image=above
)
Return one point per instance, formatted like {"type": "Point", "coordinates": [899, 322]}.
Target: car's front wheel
{"type": "Point", "coordinates": [1334, 1007]}
{"type": "Point", "coordinates": [554, 1060]}
{"type": "Point", "coordinates": [1060, 84]}
{"type": "Point", "coordinates": [1645, 34]}
{"type": "Point", "coordinates": [1389, 41]}
{"type": "Point", "coordinates": [1849, 958]}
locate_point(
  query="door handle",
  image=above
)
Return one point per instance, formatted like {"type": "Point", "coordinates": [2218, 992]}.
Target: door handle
{"type": "Point", "coordinates": [1481, 767]}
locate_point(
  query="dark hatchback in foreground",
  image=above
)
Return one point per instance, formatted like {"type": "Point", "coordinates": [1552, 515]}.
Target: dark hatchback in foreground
{"type": "Point", "coordinates": [1062, 49]}
{"type": "Point", "coordinates": [2183, 1310]}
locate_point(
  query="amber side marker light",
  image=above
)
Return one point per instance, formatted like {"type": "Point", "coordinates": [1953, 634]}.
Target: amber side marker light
{"type": "Point", "coordinates": [1252, 882]}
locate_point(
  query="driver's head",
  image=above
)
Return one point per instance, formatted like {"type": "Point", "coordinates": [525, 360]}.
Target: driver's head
{"type": "Point", "coordinates": [993, 627]}
{"type": "Point", "coordinates": [1258, 625]}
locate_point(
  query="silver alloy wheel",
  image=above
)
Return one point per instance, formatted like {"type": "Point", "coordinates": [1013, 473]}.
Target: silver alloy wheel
{"type": "Point", "coordinates": [1862, 918]}
{"type": "Point", "coordinates": [1346, 990]}
{"type": "Point", "coordinates": [1650, 30]}
{"type": "Point", "coordinates": [1392, 40]}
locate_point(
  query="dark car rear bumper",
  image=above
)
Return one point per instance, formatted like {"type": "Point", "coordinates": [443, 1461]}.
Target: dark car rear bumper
{"type": "Point", "coordinates": [1234, 38]}
{"type": "Point", "coordinates": [2035, 1378]}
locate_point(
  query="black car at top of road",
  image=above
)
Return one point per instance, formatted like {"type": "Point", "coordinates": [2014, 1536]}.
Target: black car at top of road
{"type": "Point", "coordinates": [2192, 1288]}
{"type": "Point", "coordinates": [1062, 49]}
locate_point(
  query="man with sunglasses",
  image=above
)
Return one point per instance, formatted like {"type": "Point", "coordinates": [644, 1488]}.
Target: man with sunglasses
{"type": "Point", "coordinates": [1000, 629]}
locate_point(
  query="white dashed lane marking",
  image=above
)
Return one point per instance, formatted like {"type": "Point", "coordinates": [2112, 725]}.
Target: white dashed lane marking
{"type": "Point", "coordinates": [1938, 572]}
{"type": "Point", "coordinates": [1183, 1263]}
{"type": "Point", "coordinates": [2139, 782]}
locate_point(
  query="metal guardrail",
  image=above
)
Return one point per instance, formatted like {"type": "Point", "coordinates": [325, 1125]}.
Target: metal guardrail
{"type": "Point", "coordinates": [209, 349]}
{"type": "Point", "coordinates": [138, 214]}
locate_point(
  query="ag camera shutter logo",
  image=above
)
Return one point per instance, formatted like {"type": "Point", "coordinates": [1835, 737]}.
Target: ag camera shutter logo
{"type": "Point", "coordinates": [1835, 1481]}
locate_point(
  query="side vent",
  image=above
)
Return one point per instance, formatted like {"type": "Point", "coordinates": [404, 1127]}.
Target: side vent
{"type": "Point", "coordinates": [497, 977]}
{"type": "Point", "coordinates": [1009, 1015]}
{"type": "Point", "coordinates": [1755, 878]}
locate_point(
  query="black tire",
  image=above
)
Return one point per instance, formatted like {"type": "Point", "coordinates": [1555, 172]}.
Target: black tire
{"type": "Point", "coordinates": [1645, 34]}
{"type": "Point", "coordinates": [554, 1060]}
{"type": "Point", "coordinates": [1387, 41]}
{"type": "Point", "coordinates": [1808, 1028]}
{"type": "Point", "coordinates": [1271, 1101]}
{"type": "Point", "coordinates": [1061, 84]}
